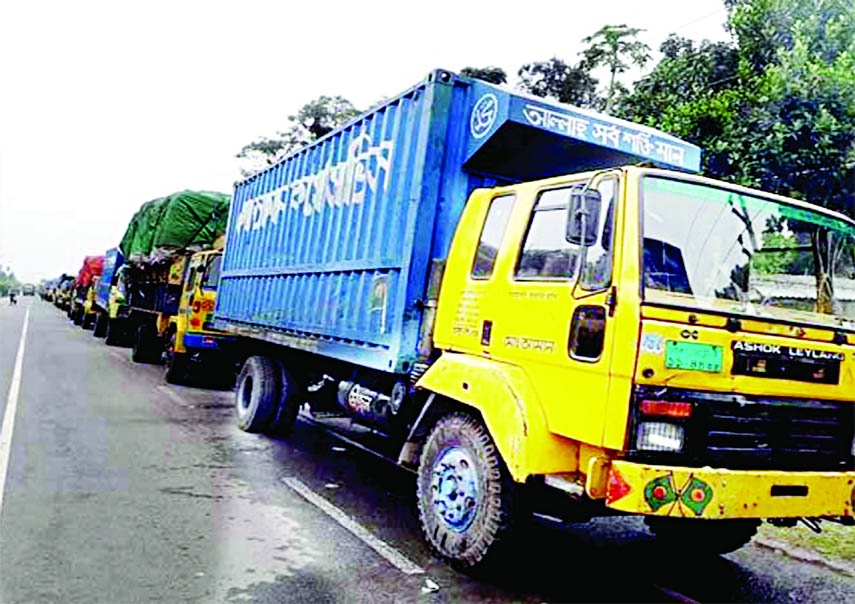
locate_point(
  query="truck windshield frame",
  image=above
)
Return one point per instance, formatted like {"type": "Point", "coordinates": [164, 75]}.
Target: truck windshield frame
{"type": "Point", "coordinates": [719, 249]}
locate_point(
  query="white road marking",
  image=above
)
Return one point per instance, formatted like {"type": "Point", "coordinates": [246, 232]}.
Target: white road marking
{"type": "Point", "coordinates": [11, 408]}
{"type": "Point", "coordinates": [393, 556]}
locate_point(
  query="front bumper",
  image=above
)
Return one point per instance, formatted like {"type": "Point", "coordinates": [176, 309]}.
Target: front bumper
{"type": "Point", "coordinates": [718, 494]}
{"type": "Point", "coordinates": [204, 341]}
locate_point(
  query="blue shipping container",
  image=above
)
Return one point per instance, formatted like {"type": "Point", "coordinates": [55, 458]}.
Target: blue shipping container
{"type": "Point", "coordinates": [113, 260]}
{"type": "Point", "coordinates": [330, 249]}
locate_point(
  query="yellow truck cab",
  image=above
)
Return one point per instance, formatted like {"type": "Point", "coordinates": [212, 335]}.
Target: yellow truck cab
{"type": "Point", "coordinates": [189, 333]}
{"type": "Point", "coordinates": [674, 347]}
{"type": "Point", "coordinates": [89, 314]}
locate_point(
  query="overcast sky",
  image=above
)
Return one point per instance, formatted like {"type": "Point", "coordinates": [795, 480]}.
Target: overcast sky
{"type": "Point", "coordinates": [105, 105]}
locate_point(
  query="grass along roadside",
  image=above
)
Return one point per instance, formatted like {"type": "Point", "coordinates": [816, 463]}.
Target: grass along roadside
{"type": "Point", "coordinates": [836, 542]}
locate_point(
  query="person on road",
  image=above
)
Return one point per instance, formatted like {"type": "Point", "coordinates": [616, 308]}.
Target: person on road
{"type": "Point", "coordinates": [12, 299]}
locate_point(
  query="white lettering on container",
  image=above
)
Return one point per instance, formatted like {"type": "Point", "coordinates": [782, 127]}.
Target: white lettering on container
{"type": "Point", "coordinates": [364, 171]}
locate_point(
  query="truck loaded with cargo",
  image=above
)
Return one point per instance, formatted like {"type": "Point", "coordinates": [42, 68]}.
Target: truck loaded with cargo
{"type": "Point", "coordinates": [537, 324]}
{"type": "Point", "coordinates": [82, 291]}
{"type": "Point", "coordinates": [161, 297]}
{"type": "Point", "coordinates": [105, 303]}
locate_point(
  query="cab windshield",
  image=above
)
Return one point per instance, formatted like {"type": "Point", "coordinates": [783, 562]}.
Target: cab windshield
{"type": "Point", "coordinates": [713, 248]}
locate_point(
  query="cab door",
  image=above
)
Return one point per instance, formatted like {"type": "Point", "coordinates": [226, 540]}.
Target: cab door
{"type": "Point", "coordinates": [551, 320]}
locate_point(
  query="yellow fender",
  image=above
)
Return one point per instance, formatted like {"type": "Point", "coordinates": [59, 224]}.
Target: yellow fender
{"type": "Point", "coordinates": [508, 403]}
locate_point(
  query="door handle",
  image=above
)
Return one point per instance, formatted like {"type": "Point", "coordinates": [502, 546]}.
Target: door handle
{"type": "Point", "coordinates": [486, 332]}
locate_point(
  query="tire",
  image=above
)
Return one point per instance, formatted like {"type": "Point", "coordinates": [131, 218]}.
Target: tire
{"type": "Point", "coordinates": [77, 316]}
{"type": "Point", "coordinates": [113, 333]}
{"type": "Point", "coordinates": [291, 396]}
{"type": "Point", "coordinates": [470, 527]}
{"type": "Point", "coordinates": [177, 364]}
{"type": "Point", "coordinates": [88, 321]}
{"type": "Point", "coordinates": [100, 329]}
{"type": "Point", "coordinates": [711, 537]}
{"type": "Point", "coordinates": [145, 348]}
{"type": "Point", "coordinates": [257, 393]}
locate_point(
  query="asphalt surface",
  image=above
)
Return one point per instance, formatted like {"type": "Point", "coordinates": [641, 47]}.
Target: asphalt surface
{"type": "Point", "coordinates": [121, 488]}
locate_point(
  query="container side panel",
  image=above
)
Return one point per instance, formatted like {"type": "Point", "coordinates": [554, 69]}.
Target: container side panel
{"type": "Point", "coordinates": [321, 246]}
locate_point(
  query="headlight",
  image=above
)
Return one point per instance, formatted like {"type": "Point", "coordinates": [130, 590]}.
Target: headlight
{"type": "Point", "coordinates": [660, 436]}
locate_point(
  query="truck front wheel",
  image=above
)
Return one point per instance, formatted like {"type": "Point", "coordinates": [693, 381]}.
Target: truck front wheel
{"type": "Point", "coordinates": [257, 393]}
{"type": "Point", "coordinates": [707, 536]}
{"type": "Point", "coordinates": [465, 495]}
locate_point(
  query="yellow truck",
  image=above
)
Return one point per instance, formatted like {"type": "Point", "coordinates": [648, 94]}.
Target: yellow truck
{"type": "Point", "coordinates": [165, 285]}
{"type": "Point", "coordinates": [621, 340]}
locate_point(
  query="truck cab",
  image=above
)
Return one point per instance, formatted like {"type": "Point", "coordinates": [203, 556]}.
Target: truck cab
{"type": "Point", "coordinates": [661, 343]}
{"type": "Point", "coordinates": [190, 334]}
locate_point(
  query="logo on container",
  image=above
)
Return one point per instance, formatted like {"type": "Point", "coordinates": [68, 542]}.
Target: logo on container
{"type": "Point", "coordinates": [484, 115]}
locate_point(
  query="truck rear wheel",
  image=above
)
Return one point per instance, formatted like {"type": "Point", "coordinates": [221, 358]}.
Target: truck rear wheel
{"type": "Point", "coordinates": [291, 392]}
{"type": "Point", "coordinates": [100, 329]}
{"type": "Point", "coordinates": [113, 333]}
{"type": "Point", "coordinates": [87, 321]}
{"type": "Point", "coordinates": [77, 316]}
{"type": "Point", "coordinates": [705, 536]}
{"type": "Point", "coordinates": [257, 394]}
{"type": "Point", "coordinates": [146, 348]}
{"type": "Point", "coordinates": [465, 495]}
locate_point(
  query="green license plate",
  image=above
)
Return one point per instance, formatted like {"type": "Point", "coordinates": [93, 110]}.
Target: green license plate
{"type": "Point", "coordinates": [693, 356]}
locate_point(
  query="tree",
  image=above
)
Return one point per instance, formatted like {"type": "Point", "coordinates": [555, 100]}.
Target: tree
{"type": "Point", "coordinates": [612, 46]}
{"type": "Point", "coordinates": [314, 120]}
{"type": "Point", "coordinates": [493, 75]}
{"type": "Point", "coordinates": [776, 111]}
{"type": "Point", "coordinates": [693, 92]}
{"type": "Point", "coordinates": [8, 281]}
{"type": "Point", "coordinates": [554, 78]}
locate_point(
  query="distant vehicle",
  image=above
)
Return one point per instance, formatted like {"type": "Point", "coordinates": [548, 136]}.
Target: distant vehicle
{"type": "Point", "coordinates": [29, 289]}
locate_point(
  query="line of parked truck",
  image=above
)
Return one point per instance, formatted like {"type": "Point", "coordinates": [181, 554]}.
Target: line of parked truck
{"type": "Point", "coordinates": [541, 311]}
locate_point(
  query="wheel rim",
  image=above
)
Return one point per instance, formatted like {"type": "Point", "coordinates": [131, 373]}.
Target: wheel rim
{"type": "Point", "coordinates": [454, 489]}
{"type": "Point", "coordinates": [245, 397]}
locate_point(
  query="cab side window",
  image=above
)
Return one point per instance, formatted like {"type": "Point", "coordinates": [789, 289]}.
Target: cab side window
{"type": "Point", "coordinates": [492, 234]}
{"type": "Point", "coordinates": [545, 253]}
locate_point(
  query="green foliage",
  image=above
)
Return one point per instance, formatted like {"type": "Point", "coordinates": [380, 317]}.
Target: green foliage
{"type": "Point", "coordinates": [493, 75]}
{"type": "Point", "coordinates": [777, 256]}
{"type": "Point", "coordinates": [8, 281]}
{"type": "Point", "coordinates": [775, 110]}
{"type": "Point", "coordinates": [314, 120]}
{"type": "Point", "coordinates": [554, 78]}
{"type": "Point", "coordinates": [617, 48]}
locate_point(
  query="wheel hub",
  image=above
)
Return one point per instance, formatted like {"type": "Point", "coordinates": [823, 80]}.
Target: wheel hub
{"type": "Point", "coordinates": [454, 489]}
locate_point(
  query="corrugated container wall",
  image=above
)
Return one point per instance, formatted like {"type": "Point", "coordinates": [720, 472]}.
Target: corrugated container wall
{"type": "Point", "coordinates": [330, 249]}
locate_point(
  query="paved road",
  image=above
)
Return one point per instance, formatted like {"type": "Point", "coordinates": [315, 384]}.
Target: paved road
{"type": "Point", "coordinates": [121, 488]}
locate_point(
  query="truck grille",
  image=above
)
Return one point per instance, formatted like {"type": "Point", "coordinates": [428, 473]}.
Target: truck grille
{"type": "Point", "coordinates": [775, 434]}
{"type": "Point", "coordinates": [760, 433]}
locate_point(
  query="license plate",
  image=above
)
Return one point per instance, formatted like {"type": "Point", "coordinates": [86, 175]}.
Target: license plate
{"type": "Point", "coordinates": [693, 356]}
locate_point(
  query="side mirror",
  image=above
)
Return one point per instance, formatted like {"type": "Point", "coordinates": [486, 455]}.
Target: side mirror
{"type": "Point", "coordinates": [583, 213]}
